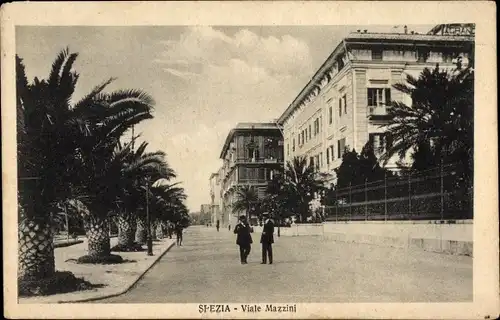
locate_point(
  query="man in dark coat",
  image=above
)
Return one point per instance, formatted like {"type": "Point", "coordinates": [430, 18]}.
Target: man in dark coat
{"type": "Point", "coordinates": [267, 239]}
{"type": "Point", "coordinates": [243, 238]}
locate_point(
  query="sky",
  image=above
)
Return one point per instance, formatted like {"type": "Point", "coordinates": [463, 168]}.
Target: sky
{"type": "Point", "coordinates": [204, 79]}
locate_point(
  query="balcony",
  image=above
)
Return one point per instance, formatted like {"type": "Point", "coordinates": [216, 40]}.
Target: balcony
{"type": "Point", "coordinates": [252, 181]}
{"type": "Point", "coordinates": [259, 160]}
{"type": "Point", "coordinates": [378, 112]}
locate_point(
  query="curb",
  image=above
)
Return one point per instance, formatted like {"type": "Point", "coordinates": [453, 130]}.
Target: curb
{"type": "Point", "coordinates": [111, 295]}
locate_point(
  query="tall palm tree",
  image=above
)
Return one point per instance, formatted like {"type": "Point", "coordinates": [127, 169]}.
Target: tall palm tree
{"type": "Point", "coordinates": [110, 115]}
{"type": "Point", "coordinates": [49, 130]}
{"type": "Point", "coordinates": [302, 183]}
{"type": "Point", "coordinates": [440, 119]}
{"type": "Point", "coordinates": [246, 200]}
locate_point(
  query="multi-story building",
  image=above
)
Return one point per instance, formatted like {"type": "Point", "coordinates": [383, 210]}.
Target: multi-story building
{"type": "Point", "coordinates": [251, 154]}
{"type": "Point", "coordinates": [345, 103]}
{"type": "Point", "coordinates": [215, 199]}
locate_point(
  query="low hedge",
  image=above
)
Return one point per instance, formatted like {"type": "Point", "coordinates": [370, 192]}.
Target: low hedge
{"type": "Point", "coordinates": [61, 282]}
{"type": "Point", "coordinates": [111, 259]}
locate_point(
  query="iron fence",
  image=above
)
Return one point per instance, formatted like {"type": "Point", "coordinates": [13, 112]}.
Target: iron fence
{"type": "Point", "coordinates": [436, 194]}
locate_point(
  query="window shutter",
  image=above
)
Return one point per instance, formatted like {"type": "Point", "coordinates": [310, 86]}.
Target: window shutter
{"type": "Point", "coordinates": [327, 155]}
{"type": "Point", "coordinates": [340, 107]}
{"type": "Point", "coordinates": [370, 97]}
{"type": "Point", "coordinates": [387, 97]}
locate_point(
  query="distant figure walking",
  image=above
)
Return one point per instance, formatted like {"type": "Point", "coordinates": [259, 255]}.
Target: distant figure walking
{"type": "Point", "coordinates": [170, 229]}
{"type": "Point", "coordinates": [178, 233]}
{"type": "Point", "coordinates": [229, 227]}
{"type": "Point", "coordinates": [267, 239]}
{"type": "Point", "coordinates": [243, 238]}
{"type": "Point", "coordinates": [217, 225]}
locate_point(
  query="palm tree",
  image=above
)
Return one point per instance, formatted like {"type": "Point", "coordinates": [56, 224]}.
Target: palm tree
{"type": "Point", "coordinates": [302, 184]}
{"type": "Point", "coordinates": [136, 166]}
{"type": "Point", "coordinates": [440, 119]}
{"type": "Point", "coordinates": [247, 199]}
{"type": "Point", "coordinates": [110, 115]}
{"type": "Point", "coordinates": [49, 130]}
{"type": "Point", "coordinates": [164, 198]}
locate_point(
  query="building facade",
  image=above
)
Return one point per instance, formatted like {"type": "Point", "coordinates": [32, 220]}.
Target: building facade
{"type": "Point", "coordinates": [345, 103]}
{"type": "Point", "coordinates": [251, 155]}
{"type": "Point", "coordinates": [215, 199]}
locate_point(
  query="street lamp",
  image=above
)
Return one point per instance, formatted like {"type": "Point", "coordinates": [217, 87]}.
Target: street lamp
{"type": "Point", "coordinates": [149, 240]}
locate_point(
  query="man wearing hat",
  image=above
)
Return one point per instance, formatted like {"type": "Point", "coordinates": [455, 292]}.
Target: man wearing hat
{"type": "Point", "coordinates": [243, 238]}
{"type": "Point", "coordinates": [267, 239]}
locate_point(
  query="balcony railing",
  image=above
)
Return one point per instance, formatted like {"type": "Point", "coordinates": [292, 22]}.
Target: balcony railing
{"type": "Point", "coordinates": [251, 181]}
{"type": "Point", "coordinates": [378, 111]}
{"type": "Point", "coordinates": [258, 160]}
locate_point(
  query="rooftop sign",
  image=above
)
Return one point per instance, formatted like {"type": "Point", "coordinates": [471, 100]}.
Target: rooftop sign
{"type": "Point", "coordinates": [456, 29]}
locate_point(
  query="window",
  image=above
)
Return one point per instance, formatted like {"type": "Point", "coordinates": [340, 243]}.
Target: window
{"type": "Point", "coordinates": [293, 145]}
{"type": "Point", "coordinates": [306, 134]}
{"type": "Point", "coordinates": [331, 152]}
{"type": "Point", "coordinates": [253, 153]}
{"type": "Point", "coordinates": [340, 147]}
{"type": "Point", "coordinates": [378, 97]}
{"type": "Point", "coordinates": [340, 62]}
{"type": "Point", "coordinates": [311, 161]}
{"type": "Point", "coordinates": [344, 102]}
{"type": "Point", "coordinates": [330, 115]}
{"type": "Point", "coordinates": [380, 142]}
{"type": "Point", "coordinates": [316, 162]}
{"type": "Point", "coordinates": [309, 131]}
{"type": "Point", "coordinates": [287, 149]}
{"type": "Point", "coordinates": [377, 54]}
{"type": "Point", "coordinates": [340, 107]}
{"type": "Point", "coordinates": [320, 120]}
{"type": "Point", "coordinates": [302, 137]}
{"type": "Point", "coordinates": [328, 155]}
{"type": "Point", "coordinates": [321, 159]}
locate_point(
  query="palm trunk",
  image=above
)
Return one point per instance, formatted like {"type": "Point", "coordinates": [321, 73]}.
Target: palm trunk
{"type": "Point", "coordinates": [126, 229]}
{"type": "Point", "coordinates": [36, 250]}
{"type": "Point", "coordinates": [141, 232]}
{"type": "Point", "coordinates": [97, 230]}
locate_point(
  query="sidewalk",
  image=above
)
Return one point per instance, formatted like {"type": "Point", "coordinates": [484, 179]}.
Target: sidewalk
{"type": "Point", "coordinates": [115, 278]}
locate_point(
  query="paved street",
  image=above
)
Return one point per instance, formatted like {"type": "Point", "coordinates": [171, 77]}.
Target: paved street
{"type": "Point", "coordinates": [306, 269]}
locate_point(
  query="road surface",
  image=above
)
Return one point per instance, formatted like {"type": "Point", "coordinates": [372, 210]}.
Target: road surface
{"type": "Point", "coordinates": [206, 269]}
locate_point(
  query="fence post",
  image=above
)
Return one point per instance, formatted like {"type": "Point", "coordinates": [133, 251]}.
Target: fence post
{"type": "Point", "coordinates": [442, 189]}
{"type": "Point", "coordinates": [409, 195]}
{"type": "Point", "coordinates": [385, 196]}
{"type": "Point", "coordinates": [350, 203]}
{"type": "Point", "coordinates": [366, 199]}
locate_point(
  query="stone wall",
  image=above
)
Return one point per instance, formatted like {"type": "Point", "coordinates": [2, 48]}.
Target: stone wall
{"type": "Point", "coordinates": [450, 238]}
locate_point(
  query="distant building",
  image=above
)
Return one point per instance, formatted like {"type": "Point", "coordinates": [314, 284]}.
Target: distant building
{"type": "Point", "coordinates": [251, 154]}
{"type": "Point", "coordinates": [345, 102]}
{"type": "Point", "coordinates": [216, 200]}
{"type": "Point", "coordinates": [205, 213]}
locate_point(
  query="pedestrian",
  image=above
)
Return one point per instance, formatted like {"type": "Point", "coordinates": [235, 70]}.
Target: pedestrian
{"type": "Point", "coordinates": [178, 232]}
{"type": "Point", "coordinates": [217, 225]}
{"type": "Point", "coordinates": [229, 227]}
{"type": "Point", "coordinates": [267, 239]}
{"type": "Point", "coordinates": [243, 238]}
{"type": "Point", "coordinates": [170, 229]}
